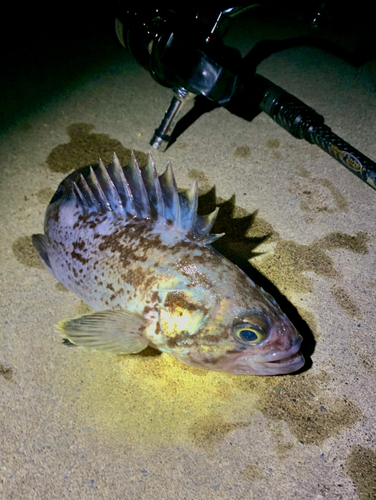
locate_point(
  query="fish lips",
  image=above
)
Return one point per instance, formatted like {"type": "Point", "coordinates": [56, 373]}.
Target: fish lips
{"type": "Point", "coordinates": [276, 363]}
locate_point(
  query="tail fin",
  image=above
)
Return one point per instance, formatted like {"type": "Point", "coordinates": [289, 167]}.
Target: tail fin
{"type": "Point", "coordinates": [40, 243]}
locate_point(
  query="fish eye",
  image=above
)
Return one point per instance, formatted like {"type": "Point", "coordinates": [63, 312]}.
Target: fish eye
{"type": "Point", "coordinates": [250, 330]}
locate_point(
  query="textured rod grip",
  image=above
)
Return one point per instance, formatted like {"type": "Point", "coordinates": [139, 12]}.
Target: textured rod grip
{"type": "Point", "coordinates": [295, 117]}
{"type": "Point", "coordinates": [343, 152]}
{"type": "Point", "coordinates": [304, 123]}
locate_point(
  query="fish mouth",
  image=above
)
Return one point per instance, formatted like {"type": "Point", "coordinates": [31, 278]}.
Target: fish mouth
{"type": "Point", "coordinates": [289, 364]}
{"type": "Point", "coordinates": [275, 363]}
{"type": "Point", "coordinates": [280, 362]}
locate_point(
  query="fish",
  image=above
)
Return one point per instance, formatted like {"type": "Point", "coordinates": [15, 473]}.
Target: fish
{"type": "Point", "coordinates": [135, 250]}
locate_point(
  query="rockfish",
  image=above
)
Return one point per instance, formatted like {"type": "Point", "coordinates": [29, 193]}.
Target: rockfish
{"type": "Point", "coordinates": [136, 251]}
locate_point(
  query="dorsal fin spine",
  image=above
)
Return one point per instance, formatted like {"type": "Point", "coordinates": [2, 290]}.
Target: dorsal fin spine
{"type": "Point", "coordinates": [203, 224]}
{"type": "Point", "coordinates": [133, 175]}
{"type": "Point", "coordinates": [87, 193]}
{"type": "Point", "coordinates": [98, 191]}
{"type": "Point", "coordinates": [170, 196]}
{"type": "Point", "coordinates": [109, 189]}
{"type": "Point", "coordinates": [116, 173]}
{"type": "Point", "coordinates": [79, 195]}
{"type": "Point", "coordinates": [211, 238]}
{"type": "Point", "coordinates": [188, 201]}
{"type": "Point", "coordinates": [153, 189]}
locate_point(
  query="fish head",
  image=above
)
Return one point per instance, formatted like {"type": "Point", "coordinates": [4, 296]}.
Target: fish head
{"type": "Point", "coordinates": [254, 338]}
{"type": "Point", "coordinates": [264, 341]}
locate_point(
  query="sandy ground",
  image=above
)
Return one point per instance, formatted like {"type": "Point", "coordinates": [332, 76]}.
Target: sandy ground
{"type": "Point", "coordinates": [76, 424]}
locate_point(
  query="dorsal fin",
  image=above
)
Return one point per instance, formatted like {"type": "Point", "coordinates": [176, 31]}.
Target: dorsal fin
{"type": "Point", "coordinates": [109, 189]}
{"type": "Point", "coordinates": [153, 188]}
{"type": "Point", "coordinates": [117, 175]}
{"type": "Point", "coordinates": [133, 175]}
{"type": "Point", "coordinates": [96, 188]}
{"type": "Point", "coordinates": [188, 207]}
{"type": "Point", "coordinates": [87, 193]}
{"type": "Point", "coordinates": [132, 192]}
{"type": "Point", "coordinates": [170, 196]}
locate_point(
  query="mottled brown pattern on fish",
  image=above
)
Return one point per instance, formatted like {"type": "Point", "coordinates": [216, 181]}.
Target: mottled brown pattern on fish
{"type": "Point", "coordinates": [89, 221]}
{"type": "Point", "coordinates": [79, 256]}
{"type": "Point", "coordinates": [158, 330]}
{"type": "Point", "coordinates": [189, 269]}
{"type": "Point", "coordinates": [173, 341]}
{"type": "Point", "coordinates": [176, 300]}
{"type": "Point", "coordinates": [80, 245]}
{"type": "Point", "coordinates": [211, 360]}
{"type": "Point", "coordinates": [213, 338]}
{"type": "Point", "coordinates": [162, 271]}
{"type": "Point", "coordinates": [138, 277]}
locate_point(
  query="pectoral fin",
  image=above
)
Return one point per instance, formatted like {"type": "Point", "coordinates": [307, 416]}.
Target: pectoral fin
{"type": "Point", "coordinates": [118, 332]}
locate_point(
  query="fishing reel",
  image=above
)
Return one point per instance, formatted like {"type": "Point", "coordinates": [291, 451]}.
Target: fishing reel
{"type": "Point", "coordinates": [183, 48]}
